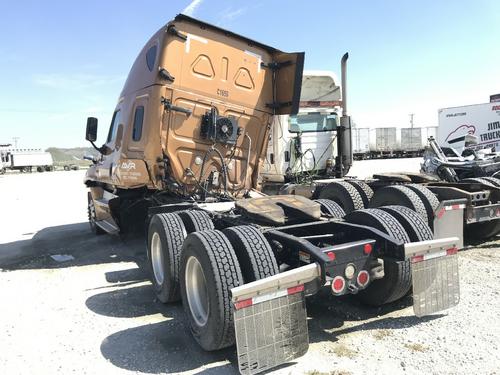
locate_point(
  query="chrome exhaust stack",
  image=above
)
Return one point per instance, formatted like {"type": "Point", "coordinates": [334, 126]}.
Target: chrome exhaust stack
{"type": "Point", "coordinates": [343, 161]}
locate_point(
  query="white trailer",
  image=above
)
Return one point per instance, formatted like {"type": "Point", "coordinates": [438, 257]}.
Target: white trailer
{"type": "Point", "coordinates": [25, 160]}
{"type": "Point", "coordinates": [360, 143]}
{"type": "Point", "coordinates": [411, 140]}
{"type": "Point", "coordinates": [480, 120]}
{"type": "Point", "coordinates": [385, 141]}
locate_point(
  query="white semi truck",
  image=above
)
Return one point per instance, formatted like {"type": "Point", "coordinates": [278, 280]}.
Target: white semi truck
{"type": "Point", "coordinates": [480, 120]}
{"type": "Point", "coordinates": [25, 160]}
{"type": "Point", "coordinates": [304, 144]}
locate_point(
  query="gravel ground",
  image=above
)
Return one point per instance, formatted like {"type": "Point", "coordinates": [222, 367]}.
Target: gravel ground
{"type": "Point", "coordinates": [96, 313]}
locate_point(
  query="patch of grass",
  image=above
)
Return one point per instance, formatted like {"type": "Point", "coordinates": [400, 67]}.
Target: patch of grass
{"type": "Point", "coordinates": [415, 347]}
{"type": "Point", "coordinates": [381, 333]}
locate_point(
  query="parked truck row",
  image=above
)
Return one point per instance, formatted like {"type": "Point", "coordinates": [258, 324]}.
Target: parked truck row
{"type": "Point", "coordinates": [183, 158]}
{"type": "Point", "coordinates": [370, 143]}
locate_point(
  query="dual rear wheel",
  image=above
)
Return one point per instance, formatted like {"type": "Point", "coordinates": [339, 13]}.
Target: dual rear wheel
{"type": "Point", "coordinates": [193, 262]}
{"type": "Point", "coordinates": [404, 225]}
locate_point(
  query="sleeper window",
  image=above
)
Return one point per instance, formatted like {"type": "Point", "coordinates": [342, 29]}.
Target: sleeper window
{"type": "Point", "coordinates": [138, 120]}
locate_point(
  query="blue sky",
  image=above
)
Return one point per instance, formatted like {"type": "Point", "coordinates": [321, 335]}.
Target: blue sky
{"type": "Point", "coordinates": [61, 61]}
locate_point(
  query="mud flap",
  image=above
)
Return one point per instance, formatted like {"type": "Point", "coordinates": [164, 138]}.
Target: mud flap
{"type": "Point", "coordinates": [434, 275]}
{"type": "Point", "coordinates": [270, 319]}
{"type": "Point", "coordinates": [449, 220]}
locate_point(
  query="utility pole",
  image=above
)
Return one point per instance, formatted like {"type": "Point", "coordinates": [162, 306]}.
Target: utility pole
{"type": "Point", "coordinates": [15, 141]}
{"type": "Point", "coordinates": [411, 119]}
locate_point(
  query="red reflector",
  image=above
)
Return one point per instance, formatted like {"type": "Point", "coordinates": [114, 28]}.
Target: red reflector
{"type": "Point", "coordinates": [452, 251]}
{"type": "Point", "coordinates": [242, 304]}
{"type": "Point", "coordinates": [367, 248]}
{"type": "Point", "coordinates": [295, 289]}
{"type": "Point", "coordinates": [417, 258]}
{"type": "Point", "coordinates": [331, 255]}
{"type": "Point", "coordinates": [363, 278]}
{"type": "Point", "coordinates": [338, 284]}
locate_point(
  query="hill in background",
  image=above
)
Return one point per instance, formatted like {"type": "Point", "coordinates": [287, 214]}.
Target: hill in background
{"type": "Point", "coordinates": [71, 155]}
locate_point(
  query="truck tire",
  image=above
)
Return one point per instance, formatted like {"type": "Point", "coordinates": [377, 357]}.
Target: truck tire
{"type": "Point", "coordinates": [256, 258]}
{"type": "Point", "coordinates": [166, 234]}
{"type": "Point", "coordinates": [344, 194]}
{"type": "Point", "coordinates": [493, 180]}
{"type": "Point", "coordinates": [430, 201]}
{"type": "Point", "coordinates": [415, 226]}
{"type": "Point", "coordinates": [40, 169]}
{"type": "Point", "coordinates": [331, 208]}
{"type": "Point", "coordinates": [478, 180]}
{"type": "Point", "coordinates": [399, 196]}
{"type": "Point", "coordinates": [363, 189]}
{"type": "Point", "coordinates": [483, 230]}
{"type": "Point", "coordinates": [195, 220]}
{"type": "Point", "coordinates": [92, 216]}
{"type": "Point", "coordinates": [209, 270]}
{"type": "Point", "coordinates": [66, 168]}
{"type": "Point", "coordinates": [2, 170]}
{"type": "Point", "coordinates": [396, 282]}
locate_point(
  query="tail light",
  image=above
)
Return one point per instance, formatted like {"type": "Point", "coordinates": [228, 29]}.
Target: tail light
{"type": "Point", "coordinates": [363, 278]}
{"type": "Point", "coordinates": [338, 284]}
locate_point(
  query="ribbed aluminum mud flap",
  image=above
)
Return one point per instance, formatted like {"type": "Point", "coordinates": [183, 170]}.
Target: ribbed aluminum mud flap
{"type": "Point", "coordinates": [435, 275]}
{"type": "Point", "coordinates": [270, 320]}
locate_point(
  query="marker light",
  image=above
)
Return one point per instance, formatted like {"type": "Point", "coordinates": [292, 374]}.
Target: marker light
{"type": "Point", "coordinates": [368, 248]}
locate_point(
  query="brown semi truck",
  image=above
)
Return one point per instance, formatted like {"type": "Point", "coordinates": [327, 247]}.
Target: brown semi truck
{"type": "Point", "coordinates": [182, 160]}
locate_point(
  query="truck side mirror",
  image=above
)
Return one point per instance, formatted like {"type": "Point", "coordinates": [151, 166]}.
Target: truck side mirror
{"type": "Point", "coordinates": [91, 133]}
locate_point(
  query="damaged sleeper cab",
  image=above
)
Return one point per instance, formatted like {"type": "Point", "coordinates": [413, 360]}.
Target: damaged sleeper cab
{"type": "Point", "coordinates": [182, 160]}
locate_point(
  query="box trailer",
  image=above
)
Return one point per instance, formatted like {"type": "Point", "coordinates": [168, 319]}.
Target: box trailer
{"type": "Point", "coordinates": [25, 160]}
{"type": "Point", "coordinates": [361, 143]}
{"type": "Point", "coordinates": [411, 140]}
{"type": "Point", "coordinates": [481, 120]}
{"type": "Point", "coordinates": [384, 141]}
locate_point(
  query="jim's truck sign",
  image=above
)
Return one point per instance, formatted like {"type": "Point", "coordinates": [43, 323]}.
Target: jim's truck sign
{"type": "Point", "coordinates": [481, 120]}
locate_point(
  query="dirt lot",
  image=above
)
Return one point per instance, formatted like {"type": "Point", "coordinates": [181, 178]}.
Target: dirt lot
{"type": "Point", "coordinates": [95, 313]}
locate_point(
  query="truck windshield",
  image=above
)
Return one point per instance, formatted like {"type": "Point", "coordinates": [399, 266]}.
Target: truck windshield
{"type": "Point", "coordinates": [312, 122]}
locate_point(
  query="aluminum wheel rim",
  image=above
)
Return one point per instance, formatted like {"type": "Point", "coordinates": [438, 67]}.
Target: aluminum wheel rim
{"type": "Point", "coordinates": [157, 258]}
{"type": "Point", "coordinates": [196, 291]}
